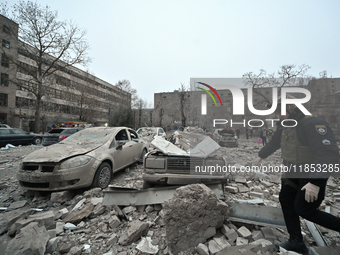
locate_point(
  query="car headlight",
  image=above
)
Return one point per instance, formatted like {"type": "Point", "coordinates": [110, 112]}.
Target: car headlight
{"type": "Point", "coordinates": [75, 162]}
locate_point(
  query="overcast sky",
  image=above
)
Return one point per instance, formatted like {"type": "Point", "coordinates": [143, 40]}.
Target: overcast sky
{"type": "Point", "coordinates": [157, 45]}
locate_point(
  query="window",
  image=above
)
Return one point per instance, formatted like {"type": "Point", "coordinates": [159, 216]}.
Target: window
{"type": "Point", "coordinates": [4, 60]}
{"type": "Point", "coordinates": [6, 29]}
{"type": "Point", "coordinates": [3, 99]}
{"type": "Point", "coordinates": [5, 43]}
{"type": "Point", "coordinates": [4, 79]}
{"type": "Point", "coordinates": [122, 136]}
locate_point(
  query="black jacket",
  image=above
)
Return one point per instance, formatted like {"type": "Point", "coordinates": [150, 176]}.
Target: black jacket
{"type": "Point", "coordinates": [322, 144]}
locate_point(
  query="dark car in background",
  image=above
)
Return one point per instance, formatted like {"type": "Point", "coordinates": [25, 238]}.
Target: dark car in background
{"type": "Point", "coordinates": [58, 134]}
{"type": "Point", "coordinates": [17, 137]}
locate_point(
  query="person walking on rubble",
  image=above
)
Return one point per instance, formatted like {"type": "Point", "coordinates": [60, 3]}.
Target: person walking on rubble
{"type": "Point", "coordinates": [310, 145]}
{"type": "Point", "coordinates": [263, 136]}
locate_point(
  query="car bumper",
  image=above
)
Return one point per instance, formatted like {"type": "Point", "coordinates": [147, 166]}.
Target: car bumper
{"type": "Point", "coordinates": [180, 179]}
{"type": "Point", "coordinates": [74, 178]}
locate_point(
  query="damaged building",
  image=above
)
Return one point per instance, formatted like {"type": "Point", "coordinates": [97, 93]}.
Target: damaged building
{"type": "Point", "coordinates": [71, 94]}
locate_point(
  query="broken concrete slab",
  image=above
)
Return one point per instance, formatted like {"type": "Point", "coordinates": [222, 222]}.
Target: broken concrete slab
{"type": "Point", "coordinates": [185, 227]}
{"type": "Point", "coordinates": [146, 246]}
{"type": "Point", "coordinates": [167, 148]}
{"type": "Point", "coordinates": [7, 219]}
{"type": "Point", "coordinates": [17, 204]}
{"type": "Point", "coordinates": [44, 218]}
{"type": "Point", "coordinates": [134, 232]}
{"type": "Point", "coordinates": [31, 239]}
{"type": "Point", "coordinates": [77, 216]}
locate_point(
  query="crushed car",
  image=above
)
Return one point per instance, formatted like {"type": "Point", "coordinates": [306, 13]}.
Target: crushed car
{"type": "Point", "coordinates": [87, 158]}
{"type": "Point", "coordinates": [187, 159]}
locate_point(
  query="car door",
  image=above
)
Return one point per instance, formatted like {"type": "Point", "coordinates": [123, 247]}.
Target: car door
{"type": "Point", "coordinates": [5, 137]}
{"type": "Point", "coordinates": [137, 147]}
{"type": "Point", "coordinates": [124, 152]}
{"type": "Point", "coordinates": [21, 137]}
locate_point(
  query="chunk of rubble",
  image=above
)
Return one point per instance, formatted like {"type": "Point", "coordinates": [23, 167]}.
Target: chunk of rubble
{"type": "Point", "coordinates": [31, 239]}
{"type": "Point", "coordinates": [77, 216]}
{"type": "Point", "coordinates": [17, 204]}
{"type": "Point", "coordinates": [146, 246]}
{"type": "Point", "coordinates": [134, 232]}
{"type": "Point", "coordinates": [192, 216]}
{"type": "Point", "coordinates": [202, 249]}
{"type": "Point", "coordinates": [44, 218]}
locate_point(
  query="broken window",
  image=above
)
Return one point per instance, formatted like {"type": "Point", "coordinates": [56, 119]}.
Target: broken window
{"type": "Point", "coordinates": [5, 43]}
{"type": "Point", "coordinates": [133, 135]}
{"type": "Point", "coordinates": [4, 60]}
{"type": "Point", "coordinates": [3, 99]}
{"type": "Point", "coordinates": [122, 136]}
{"type": "Point", "coordinates": [6, 29]}
{"type": "Point", "coordinates": [4, 79]}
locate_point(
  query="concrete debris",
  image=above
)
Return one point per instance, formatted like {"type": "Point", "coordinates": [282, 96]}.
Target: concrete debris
{"type": "Point", "coordinates": [77, 216]}
{"type": "Point", "coordinates": [186, 228]}
{"type": "Point", "coordinates": [136, 230]}
{"type": "Point", "coordinates": [146, 246]}
{"type": "Point", "coordinates": [52, 244]}
{"type": "Point", "coordinates": [167, 148]}
{"type": "Point", "coordinates": [31, 239]}
{"type": "Point", "coordinates": [70, 226]}
{"type": "Point", "coordinates": [18, 204]}
{"type": "Point", "coordinates": [202, 249]}
{"type": "Point", "coordinates": [44, 218]}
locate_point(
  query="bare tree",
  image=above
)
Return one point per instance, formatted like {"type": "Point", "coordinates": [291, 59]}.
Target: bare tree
{"type": "Point", "coordinates": [287, 75]}
{"type": "Point", "coordinates": [51, 45]}
{"type": "Point", "coordinates": [126, 86]}
{"type": "Point", "coordinates": [183, 103]}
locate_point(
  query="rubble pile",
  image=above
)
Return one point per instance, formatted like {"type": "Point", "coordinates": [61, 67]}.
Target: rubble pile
{"type": "Point", "coordinates": [192, 216]}
{"type": "Point", "coordinates": [76, 222]}
{"type": "Point", "coordinates": [196, 130]}
{"type": "Point", "coordinates": [226, 139]}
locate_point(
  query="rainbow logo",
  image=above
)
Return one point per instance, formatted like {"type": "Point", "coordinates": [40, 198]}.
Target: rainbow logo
{"type": "Point", "coordinates": [208, 92]}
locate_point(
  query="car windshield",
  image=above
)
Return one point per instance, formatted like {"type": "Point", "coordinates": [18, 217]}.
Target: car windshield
{"type": "Point", "coordinates": [93, 136]}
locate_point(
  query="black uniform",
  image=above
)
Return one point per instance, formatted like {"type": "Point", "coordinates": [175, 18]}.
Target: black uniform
{"type": "Point", "coordinates": [318, 136]}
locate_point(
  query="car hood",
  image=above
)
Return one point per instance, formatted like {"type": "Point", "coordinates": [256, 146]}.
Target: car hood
{"type": "Point", "coordinates": [58, 152]}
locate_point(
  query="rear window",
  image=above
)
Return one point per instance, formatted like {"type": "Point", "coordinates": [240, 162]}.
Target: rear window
{"type": "Point", "coordinates": [69, 131]}
{"type": "Point", "coordinates": [56, 131]}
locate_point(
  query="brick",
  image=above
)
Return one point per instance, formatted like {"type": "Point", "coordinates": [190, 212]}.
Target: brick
{"type": "Point", "coordinates": [231, 189]}
{"type": "Point", "coordinates": [262, 242]}
{"type": "Point", "coordinates": [224, 229]}
{"type": "Point", "coordinates": [231, 235]}
{"type": "Point", "coordinates": [256, 194]}
{"type": "Point", "coordinates": [241, 241]}
{"type": "Point", "coordinates": [256, 235]}
{"type": "Point", "coordinates": [202, 249]}
{"type": "Point", "coordinates": [243, 189]}
{"type": "Point", "coordinates": [222, 242]}
{"type": "Point", "coordinates": [244, 232]}
{"type": "Point", "coordinates": [240, 180]}
{"type": "Point", "coordinates": [214, 247]}
{"type": "Point", "coordinates": [268, 233]}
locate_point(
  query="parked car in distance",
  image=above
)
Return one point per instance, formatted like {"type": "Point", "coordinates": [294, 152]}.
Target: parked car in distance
{"type": "Point", "coordinates": [4, 126]}
{"type": "Point", "coordinates": [16, 136]}
{"type": "Point", "coordinates": [155, 131]}
{"type": "Point", "coordinates": [86, 158]}
{"type": "Point", "coordinates": [56, 135]}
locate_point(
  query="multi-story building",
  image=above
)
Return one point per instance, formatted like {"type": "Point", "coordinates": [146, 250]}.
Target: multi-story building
{"type": "Point", "coordinates": [69, 94]}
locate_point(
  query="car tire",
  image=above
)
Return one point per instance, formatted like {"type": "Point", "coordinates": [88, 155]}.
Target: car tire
{"type": "Point", "coordinates": [103, 176]}
{"type": "Point", "coordinates": [143, 154]}
{"type": "Point", "coordinates": [37, 140]}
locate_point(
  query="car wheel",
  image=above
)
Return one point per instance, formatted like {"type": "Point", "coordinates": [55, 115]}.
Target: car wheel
{"type": "Point", "coordinates": [143, 154]}
{"type": "Point", "coordinates": [37, 140]}
{"type": "Point", "coordinates": [103, 176]}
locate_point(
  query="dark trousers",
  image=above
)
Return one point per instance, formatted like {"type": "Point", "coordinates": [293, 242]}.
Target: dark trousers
{"type": "Point", "coordinates": [293, 205]}
{"type": "Point", "coordinates": [264, 141]}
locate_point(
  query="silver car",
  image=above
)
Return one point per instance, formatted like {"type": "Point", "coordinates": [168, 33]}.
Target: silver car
{"type": "Point", "coordinates": [87, 158]}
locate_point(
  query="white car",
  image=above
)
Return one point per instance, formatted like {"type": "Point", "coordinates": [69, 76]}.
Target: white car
{"type": "Point", "coordinates": [155, 131]}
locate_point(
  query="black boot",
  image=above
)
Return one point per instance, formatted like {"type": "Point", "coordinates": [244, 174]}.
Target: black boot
{"type": "Point", "coordinates": [291, 245]}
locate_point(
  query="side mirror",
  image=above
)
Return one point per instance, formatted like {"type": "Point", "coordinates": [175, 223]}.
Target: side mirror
{"type": "Point", "coordinates": [120, 145]}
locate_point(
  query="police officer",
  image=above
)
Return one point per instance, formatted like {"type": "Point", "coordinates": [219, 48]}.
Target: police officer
{"type": "Point", "coordinates": [310, 152]}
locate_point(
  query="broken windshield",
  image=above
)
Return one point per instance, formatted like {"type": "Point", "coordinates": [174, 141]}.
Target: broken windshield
{"type": "Point", "coordinates": [90, 135]}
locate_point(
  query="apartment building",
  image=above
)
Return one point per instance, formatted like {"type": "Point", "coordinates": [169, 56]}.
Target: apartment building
{"type": "Point", "coordinates": [70, 94]}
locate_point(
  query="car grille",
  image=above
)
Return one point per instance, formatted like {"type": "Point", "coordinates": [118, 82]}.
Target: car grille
{"type": "Point", "coordinates": [183, 163]}
{"type": "Point", "coordinates": [49, 168]}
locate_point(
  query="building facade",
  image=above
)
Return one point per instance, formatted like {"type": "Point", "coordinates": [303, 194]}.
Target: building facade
{"type": "Point", "coordinates": [70, 95]}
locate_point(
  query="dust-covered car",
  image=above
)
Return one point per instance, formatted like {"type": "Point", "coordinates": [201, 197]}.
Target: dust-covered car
{"type": "Point", "coordinates": [87, 158]}
{"type": "Point", "coordinates": [191, 159]}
